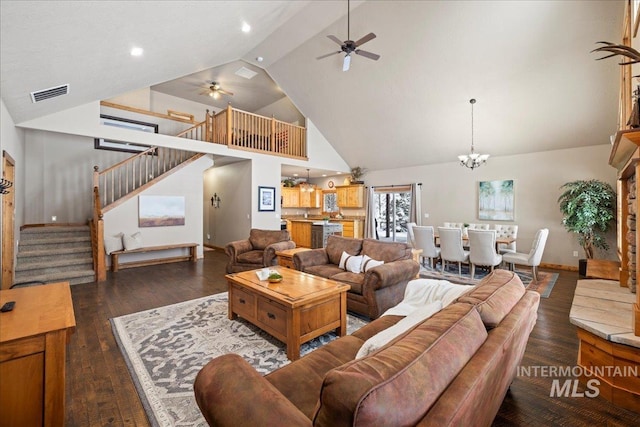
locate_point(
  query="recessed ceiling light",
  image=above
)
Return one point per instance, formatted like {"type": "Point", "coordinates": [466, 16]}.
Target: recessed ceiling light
{"type": "Point", "coordinates": [246, 27]}
{"type": "Point", "coordinates": [324, 174]}
{"type": "Point", "coordinates": [339, 173]}
{"type": "Point", "coordinates": [259, 59]}
{"type": "Point", "coordinates": [137, 51]}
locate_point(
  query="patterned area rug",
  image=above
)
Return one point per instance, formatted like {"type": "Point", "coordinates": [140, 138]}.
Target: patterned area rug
{"type": "Point", "coordinates": [543, 285]}
{"type": "Point", "coordinates": [166, 347]}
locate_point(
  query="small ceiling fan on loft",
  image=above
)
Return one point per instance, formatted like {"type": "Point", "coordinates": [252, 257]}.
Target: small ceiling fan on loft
{"type": "Point", "coordinates": [215, 91]}
{"type": "Point", "coordinates": [349, 46]}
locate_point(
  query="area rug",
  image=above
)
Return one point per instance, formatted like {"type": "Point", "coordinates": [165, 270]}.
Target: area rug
{"type": "Point", "coordinates": [543, 285]}
{"type": "Point", "coordinates": [165, 347]}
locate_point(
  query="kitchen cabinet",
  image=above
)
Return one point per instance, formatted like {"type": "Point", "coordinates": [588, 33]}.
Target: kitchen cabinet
{"type": "Point", "coordinates": [351, 227]}
{"type": "Point", "coordinates": [310, 199]}
{"type": "Point", "coordinates": [290, 197]}
{"type": "Point", "coordinates": [350, 196]}
{"type": "Point", "coordinates": [301, 233]}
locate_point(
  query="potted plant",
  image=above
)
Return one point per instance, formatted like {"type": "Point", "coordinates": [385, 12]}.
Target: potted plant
{"type": "Point", "coordinates": [588, 209]}
{"type": "Point", "coordinates": [356, 173]}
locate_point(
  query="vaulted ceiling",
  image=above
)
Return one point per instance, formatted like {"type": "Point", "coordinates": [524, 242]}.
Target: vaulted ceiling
{"type": "Point", "coordinates": [528, 64]}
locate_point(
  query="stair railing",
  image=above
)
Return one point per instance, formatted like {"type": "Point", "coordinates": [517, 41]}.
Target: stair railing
{"type": "Point", "coordinates": [135, 173]}
{"type": "Point", "coordinates": [96, 225]}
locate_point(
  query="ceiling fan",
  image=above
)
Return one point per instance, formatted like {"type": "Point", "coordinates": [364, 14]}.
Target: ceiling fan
{"type": "Point", "coordinates": [349, 46]}
{"type": "Point", "coordinates": [215, 91]}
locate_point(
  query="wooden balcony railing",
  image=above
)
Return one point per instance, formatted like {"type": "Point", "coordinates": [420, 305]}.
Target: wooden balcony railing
{"type": "Point", "coordinates": [247, 131]}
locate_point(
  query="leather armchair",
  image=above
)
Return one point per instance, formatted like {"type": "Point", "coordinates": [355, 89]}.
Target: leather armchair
{"type": "Point", "coordinates": [258, 251]}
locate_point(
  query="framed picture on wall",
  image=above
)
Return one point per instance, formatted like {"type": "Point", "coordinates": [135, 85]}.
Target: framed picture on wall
{"type": "Point", "coordinates": [129, 147]}
{"type": "Point", "coordinates": [161, 211]}
{"type": "Point", "coordinates": [496, 200]}
{"type": "Point", "coordinates": [266, 199]}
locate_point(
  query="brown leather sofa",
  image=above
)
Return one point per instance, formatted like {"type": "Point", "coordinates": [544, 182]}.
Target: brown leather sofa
{"type": "Point", "coordinates": [374, 291]}
{"type": "Point", "coordinates": [453, 368]}
{"type": "Point", "coordinates": [258, 251]}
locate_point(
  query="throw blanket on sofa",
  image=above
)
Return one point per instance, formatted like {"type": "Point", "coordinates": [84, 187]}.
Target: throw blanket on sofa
{"type": "Point", "coordinates": [420, 292]}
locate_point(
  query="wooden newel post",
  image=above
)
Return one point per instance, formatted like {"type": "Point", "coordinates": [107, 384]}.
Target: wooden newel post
{"type": "Point", "coordinates": [96, 176]}
{"type": "Point", "coordinates": [229, 124]}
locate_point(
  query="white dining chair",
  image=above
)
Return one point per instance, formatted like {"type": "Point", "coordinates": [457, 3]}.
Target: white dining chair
{"type": "Point", "coordinates": [451, 247]}
{"type": "Point", "coordinates": [425, 240]}
{"type": "Point", "coordinates": [412, 239]}
{"type": "Point", "coordinates": [506, 230]}
{"type": "Point", "coordinates": [482, 249]}
{"type": "Point", "coordinates": [534, 257]}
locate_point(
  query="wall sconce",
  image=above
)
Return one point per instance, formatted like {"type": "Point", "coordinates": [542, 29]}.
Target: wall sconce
{"type": "Point", "coordinates": [215, 201]}
{"type": "Point", "coordinates": [5, 185]}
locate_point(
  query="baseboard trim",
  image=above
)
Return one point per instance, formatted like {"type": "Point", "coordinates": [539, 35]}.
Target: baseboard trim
{"type": "Point", "coordinates": [213, 247]}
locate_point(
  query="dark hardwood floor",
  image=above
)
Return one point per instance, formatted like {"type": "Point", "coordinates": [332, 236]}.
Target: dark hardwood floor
{"type": "Point", "coordinates": [100, 391]}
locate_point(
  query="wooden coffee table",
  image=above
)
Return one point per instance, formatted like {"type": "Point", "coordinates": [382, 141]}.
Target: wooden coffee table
{"type": "Point", "coordinates": [296, 310]}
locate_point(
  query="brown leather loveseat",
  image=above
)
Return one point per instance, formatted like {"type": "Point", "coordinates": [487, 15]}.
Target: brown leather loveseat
{"type": "Point", "coordinates": [258, 251]}
{"type": "Point", "coordinates": [373, 291]}
{"type": "Point", "coordinates": [454, 368]}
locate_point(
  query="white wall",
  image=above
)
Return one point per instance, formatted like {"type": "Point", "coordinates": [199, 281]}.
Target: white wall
{"type": "Point", "coordinates": [59, 181]}
{"type": "Point", "coordinates": [449, 192]}
{"type": "Point", "coordinates": [232, 220]}
{"type": "Point", "coordinates": [186, 182]}
{"type": "Point", "coordinates": [283, 110]}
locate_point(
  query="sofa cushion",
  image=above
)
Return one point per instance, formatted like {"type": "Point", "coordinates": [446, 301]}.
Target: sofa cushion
{"type": "Point", "coordinates": [368, 263]}
{"type": "Point", "coordinates": [399, 383]}
{"type": "Point", "coordinates": [355, 280]}
{"type": "Point", "coordinates": [495, 296]}
{"type": "Point", "coordinates": [386, 251]}
{"type": "Point", "coordinates": [324, 270]}
{"type": "Point", "coordinates": [251, 257]}
{"type": "Point", "coordinates": [384, 337]}
{"type": "Point", "coordinates": [338, 244]}
{"type": "Point", "coordinates": [260, 239]}
{"type": "Point", "coordinates": [304, 391]}
{"type": "Point", "coordinates": [352, 263]}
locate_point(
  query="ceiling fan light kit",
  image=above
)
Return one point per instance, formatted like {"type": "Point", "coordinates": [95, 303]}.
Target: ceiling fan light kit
{"type": "Point", "coordinates": [215, 90]}
{"type": "Point", "coordinates": [473, 159]}
{"type": "Point", "coordinates": [349, 46]}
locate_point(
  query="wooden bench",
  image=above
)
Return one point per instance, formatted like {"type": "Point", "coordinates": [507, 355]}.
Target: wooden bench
{"type": "Point", "coordinates": [193, 256]}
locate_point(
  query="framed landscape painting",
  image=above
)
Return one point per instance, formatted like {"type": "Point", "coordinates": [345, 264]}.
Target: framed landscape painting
{"type": "Point", "coordinates": [161, 211]}
{"type": "Point", "coordinates": [496, 200]}
{"type": "Point", "coordinates": [266, 199]}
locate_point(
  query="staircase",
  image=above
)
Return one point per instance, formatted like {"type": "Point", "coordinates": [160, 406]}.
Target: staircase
{"type": "Point", "coordinates": [55, 253]}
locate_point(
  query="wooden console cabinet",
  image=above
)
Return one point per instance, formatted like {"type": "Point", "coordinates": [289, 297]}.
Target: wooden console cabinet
{"type": "Point", "coordinates": [33, 339]}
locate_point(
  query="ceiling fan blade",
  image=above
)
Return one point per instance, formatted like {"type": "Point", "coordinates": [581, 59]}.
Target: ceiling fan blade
{"type": "Point", "coordinates": [335, 39]}
{"type": "Point", "coordinates": [346, 63]}
{"type": "Point", "coordinates": [328, 54]}
{"type": "Point", "coordinates": [225, 92]}
{"type": "Point", "coordinates": [366, 54]}
{"type": "Point", "coordinates": [365, 39]}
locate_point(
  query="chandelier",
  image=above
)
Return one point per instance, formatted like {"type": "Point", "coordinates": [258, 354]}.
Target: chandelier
{"type": "Point", "coordinates": [305, 186]}
{"type": "Point", "coordinates": [473, 159]}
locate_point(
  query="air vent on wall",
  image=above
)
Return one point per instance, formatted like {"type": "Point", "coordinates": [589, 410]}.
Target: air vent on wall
{"type": "Point", "coordinates": [52, 92]}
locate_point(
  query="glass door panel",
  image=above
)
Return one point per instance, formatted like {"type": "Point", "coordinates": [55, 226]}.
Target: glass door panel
{"type": "Point", "coordinates": [392, 215]}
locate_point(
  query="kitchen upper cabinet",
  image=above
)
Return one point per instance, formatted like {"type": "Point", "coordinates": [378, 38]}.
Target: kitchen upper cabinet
{"type": "Point", "coordinates": [290, 197]}
{"type": "Point", "coordinates": [350, 196]}
{"type": "Point", "coordinates": [310, 199]}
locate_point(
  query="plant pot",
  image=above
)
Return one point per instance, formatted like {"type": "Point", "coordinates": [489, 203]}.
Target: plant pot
{"type": "Point", "coordinates": [582, 268]}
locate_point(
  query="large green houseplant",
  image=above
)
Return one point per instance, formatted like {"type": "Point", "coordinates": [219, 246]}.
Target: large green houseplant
{"type": "Point", "coordinates": [588, 209]}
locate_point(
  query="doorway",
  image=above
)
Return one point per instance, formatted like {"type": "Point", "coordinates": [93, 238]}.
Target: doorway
{"type": "Point", "coordinates": [392, 208]}
{"type": "Point", "coordinates": [8, 222]}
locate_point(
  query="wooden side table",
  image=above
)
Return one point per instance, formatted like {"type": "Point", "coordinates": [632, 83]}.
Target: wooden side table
{"type": "Point", "coordinates": [285, 258]}
{"type": "Point", "coordinates": [33, 339]}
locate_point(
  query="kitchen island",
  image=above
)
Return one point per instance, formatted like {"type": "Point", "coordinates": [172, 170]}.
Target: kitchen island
{"type": "Point", "coordinates": [301, 231]}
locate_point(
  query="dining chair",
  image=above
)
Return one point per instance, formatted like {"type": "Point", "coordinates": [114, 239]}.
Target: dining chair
{"type": "Point", "coordinates": [506, 230]}
{"type": "Point", "coordinates": [451, 247]}
{"type": "Point", "coordinates": [412, 238]}
{"type": "Point", "coordinates": [482, 249]}
{"type": "Point", "coordinates": [534, 257]}
{"type": "Point", "coordinates": [425, 240]}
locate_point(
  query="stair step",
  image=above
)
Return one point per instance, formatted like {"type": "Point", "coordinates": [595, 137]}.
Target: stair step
{"type": "Point", "coordinates": [41, 240]}
{"type": "Point", "coordinates": [55, 229]}
{"type": "Point", "coordinates": [55, 263]}
{"type": "Point", "coordinates": [74, 277]}
{"type": "Point", "coordinates": [37, 253]}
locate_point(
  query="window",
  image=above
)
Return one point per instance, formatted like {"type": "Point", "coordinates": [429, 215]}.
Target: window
{"type": "Point", "coordinates": [392, 205]}
{"type": "Point", "coordinates": [329, 201]}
